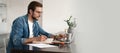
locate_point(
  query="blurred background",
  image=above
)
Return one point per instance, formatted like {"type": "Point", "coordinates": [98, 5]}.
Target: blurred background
{"type": "Point", "coordinates": [98, 25]}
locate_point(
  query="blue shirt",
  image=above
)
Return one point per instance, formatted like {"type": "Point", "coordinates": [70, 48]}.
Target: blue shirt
{"type": "Point", "coordinates": [20, 31]}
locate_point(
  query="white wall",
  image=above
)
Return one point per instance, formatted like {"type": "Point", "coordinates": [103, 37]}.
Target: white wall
{"type": "Point", "coordinates": [98, 29]}
{"type": "Point", "coordinates": [3, 25]}
{"type": "Point", "coordinates": [54, 14]}
{"type": "Point", "coordinates": [15, 8]}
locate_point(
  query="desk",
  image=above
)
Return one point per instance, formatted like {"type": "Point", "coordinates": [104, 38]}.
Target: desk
{"type": "Point", "coordinates": [64, 49]}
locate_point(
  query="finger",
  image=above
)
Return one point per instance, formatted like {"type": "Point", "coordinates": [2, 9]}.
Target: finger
{"type": "Point", "coordinates": [43, 38]}
{"type": "Point", "coordinates": [36, 39]}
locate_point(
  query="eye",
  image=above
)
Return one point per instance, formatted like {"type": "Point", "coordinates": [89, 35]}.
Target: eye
{"type": "Point", "coordinates": [38, 12]}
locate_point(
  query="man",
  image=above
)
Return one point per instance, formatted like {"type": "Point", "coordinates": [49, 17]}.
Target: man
{"type": "Point", "coordinates": [25, 29]}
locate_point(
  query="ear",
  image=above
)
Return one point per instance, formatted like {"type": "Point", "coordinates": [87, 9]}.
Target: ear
{"type": "Point", "coordinates": [31, 12]}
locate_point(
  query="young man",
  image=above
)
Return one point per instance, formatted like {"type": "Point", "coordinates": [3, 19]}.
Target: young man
{"type": "Point", "coordinates": [25, 29]}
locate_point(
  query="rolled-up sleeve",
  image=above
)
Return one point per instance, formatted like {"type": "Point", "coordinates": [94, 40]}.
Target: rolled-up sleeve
{"type": "Point", "coordinates": [41, 31]}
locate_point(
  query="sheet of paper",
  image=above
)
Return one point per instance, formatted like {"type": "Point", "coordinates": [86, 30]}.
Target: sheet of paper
{"type": "Point", "coordinates": [48, 41]}
{"type": "Point", "coordinates": [42, 45]}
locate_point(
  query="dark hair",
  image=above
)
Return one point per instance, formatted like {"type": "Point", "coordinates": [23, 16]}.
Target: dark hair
{"type": "Point", "coordinates": [33, 5]}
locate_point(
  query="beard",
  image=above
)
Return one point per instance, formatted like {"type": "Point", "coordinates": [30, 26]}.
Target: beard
{"type": "Point", "coordinates": [34, 18]}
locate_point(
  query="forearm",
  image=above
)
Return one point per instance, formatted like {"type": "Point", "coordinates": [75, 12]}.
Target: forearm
{"type": "Point", "coordinates": [28, 40]}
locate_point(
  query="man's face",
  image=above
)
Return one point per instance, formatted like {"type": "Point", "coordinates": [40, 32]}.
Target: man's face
{"type": "Point", "coordinates": [37, 13]}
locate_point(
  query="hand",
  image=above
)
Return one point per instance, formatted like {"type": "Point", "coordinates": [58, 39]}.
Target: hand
{"type": "Point", "coordinates": [30, 40]}
{"type": "Point", "coordinates": [36, 39]}
{"type": "Point", "coordinates": [62, 35]}
{"type": "Point", "coordinates": [59, 37]}
{"type": "Point", "coordinates": [40, 38]}
{"type": "Point", "coordinates": [43, 38]}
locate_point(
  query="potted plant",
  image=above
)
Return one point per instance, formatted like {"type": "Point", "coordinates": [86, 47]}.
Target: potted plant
{"type": "Point", "coordinates": [71, 24]}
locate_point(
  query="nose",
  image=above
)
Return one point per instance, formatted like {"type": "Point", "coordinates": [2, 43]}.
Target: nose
{"type": "Point", "coordinates": [40, 14]}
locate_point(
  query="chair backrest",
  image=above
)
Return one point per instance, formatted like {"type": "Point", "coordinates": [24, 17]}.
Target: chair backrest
{"type": "Point", "coordinates": [6, 43]}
